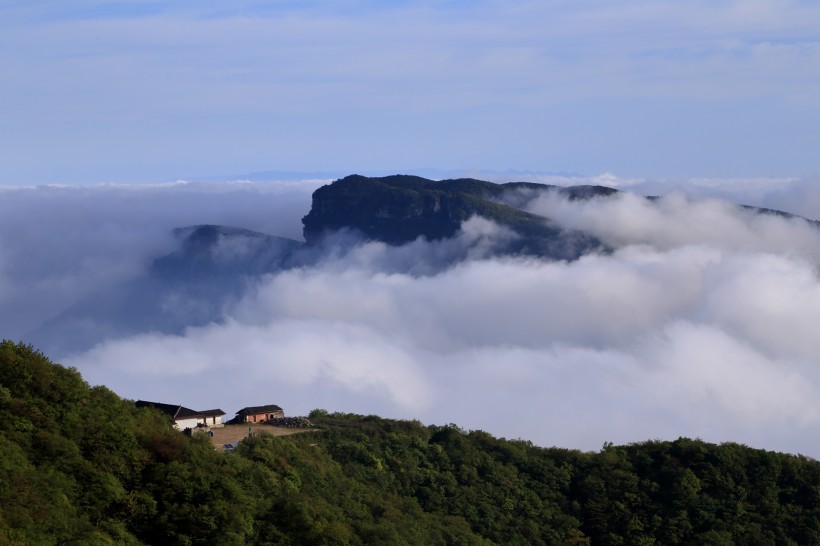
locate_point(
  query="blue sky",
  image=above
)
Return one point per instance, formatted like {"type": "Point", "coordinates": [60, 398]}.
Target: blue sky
{"type": "Point", "coordinates": [151, 91]}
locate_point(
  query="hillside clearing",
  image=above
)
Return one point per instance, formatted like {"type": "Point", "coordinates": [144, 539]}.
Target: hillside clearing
{"type": "Point", "coordinates": [232, 433]}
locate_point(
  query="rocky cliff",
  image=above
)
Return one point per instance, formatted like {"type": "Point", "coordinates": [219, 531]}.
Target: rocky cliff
{"type": "Point", "coordinates": [399, 209]}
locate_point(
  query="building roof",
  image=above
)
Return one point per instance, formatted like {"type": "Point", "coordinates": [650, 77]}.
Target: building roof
{"type": "Point", "coordinates": [179, 412]}
{"type": "Point", "coordinates": [250, 410]}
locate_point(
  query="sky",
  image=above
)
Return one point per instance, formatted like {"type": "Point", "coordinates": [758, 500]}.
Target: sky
{"type": "Point", "coordinates": [153, 91]}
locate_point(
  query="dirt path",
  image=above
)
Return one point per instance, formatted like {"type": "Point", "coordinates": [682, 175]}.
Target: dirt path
{"type": "Point", "coordinates": [231, 433]}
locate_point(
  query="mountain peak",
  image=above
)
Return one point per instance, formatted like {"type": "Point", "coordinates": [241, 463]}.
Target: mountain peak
{"type": "Point", "coordinates": [401, 208]}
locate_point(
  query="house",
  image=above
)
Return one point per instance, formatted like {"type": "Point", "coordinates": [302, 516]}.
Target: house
{"type": "Point", "coordinates": [258, 414]}
{"type": "Point", "coordinates": [185, 417]}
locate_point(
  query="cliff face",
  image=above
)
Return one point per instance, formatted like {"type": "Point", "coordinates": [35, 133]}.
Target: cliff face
{"type": "Point", "coordinates": [399, 209]}
{"type": "Point", "coordinates": [392, 209]}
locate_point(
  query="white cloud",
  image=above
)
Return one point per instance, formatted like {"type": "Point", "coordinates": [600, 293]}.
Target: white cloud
{"type": "Point", "coordinates": [61, 244]}
{"type": "Point", "coordinates": [715, 376]}
{"type": "Point", "coordinates": [699, 323]}
{"type": "Point", "coordinates": [641, 344]}
{"type": "Point", "coordinates": [275, 356]}
{"type": "Point", "coordinates": [675, 220]}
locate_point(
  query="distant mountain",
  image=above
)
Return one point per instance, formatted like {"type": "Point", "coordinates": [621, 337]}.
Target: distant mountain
{"type": "Point", "coordinates": [213, 266]}
{"type": "Point", "coordinates": [399, 209]}
{"type": "Point", "coordinates": [191, 286]}
{"type": "Point", "coordinates": [215, 252]}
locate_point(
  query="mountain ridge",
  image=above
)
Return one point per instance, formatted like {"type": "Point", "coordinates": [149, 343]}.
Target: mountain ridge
{"type": "Point", "coordinates": [213, 265]}
{"type": "Point", "coordinates": [401, 208]}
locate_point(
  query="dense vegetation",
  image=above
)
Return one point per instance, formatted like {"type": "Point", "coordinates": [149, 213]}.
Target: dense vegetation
{"type": "Point", "coordinates": [80, 465]}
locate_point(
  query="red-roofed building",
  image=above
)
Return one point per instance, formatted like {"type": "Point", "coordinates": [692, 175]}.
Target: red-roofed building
{"type": "Point", "coordinates": [259, 414]}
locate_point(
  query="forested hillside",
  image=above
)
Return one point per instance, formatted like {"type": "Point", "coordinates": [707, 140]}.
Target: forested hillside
{"type": "Point", "coordinates": [80, 465]}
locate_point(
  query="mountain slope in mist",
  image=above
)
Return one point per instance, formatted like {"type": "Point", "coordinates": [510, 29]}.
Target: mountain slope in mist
{"type": "Point", "coordinates": [214, 253]}
{"type": "Point", "coordinates": [191, 286]}
{"type": "Point", "coordinates": [213, 266]}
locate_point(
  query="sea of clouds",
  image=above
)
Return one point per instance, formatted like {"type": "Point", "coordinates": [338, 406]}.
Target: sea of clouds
{"type": "Point", "coordinates": [701, 322]}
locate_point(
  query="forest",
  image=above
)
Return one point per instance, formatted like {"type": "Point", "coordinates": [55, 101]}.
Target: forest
{"type": "Point", "coordinates": [80, 465]}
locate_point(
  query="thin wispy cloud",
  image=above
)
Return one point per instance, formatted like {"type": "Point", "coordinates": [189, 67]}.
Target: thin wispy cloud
{"type": "Point", "coordinates": [152, 91]}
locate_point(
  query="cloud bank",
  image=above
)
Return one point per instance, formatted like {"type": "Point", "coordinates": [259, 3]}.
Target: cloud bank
{"type": "Point", "coordinates": [700, 322]}
{"type": "Point", "coordinates": [59, 244]}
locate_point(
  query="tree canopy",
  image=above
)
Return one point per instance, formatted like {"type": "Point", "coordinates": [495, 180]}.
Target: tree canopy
{"type": "Point", "coordinates": [79, 464]}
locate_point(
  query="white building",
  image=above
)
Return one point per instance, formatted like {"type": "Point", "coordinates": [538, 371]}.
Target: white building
{"type": "Point", "coordinates": [184, 417]}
